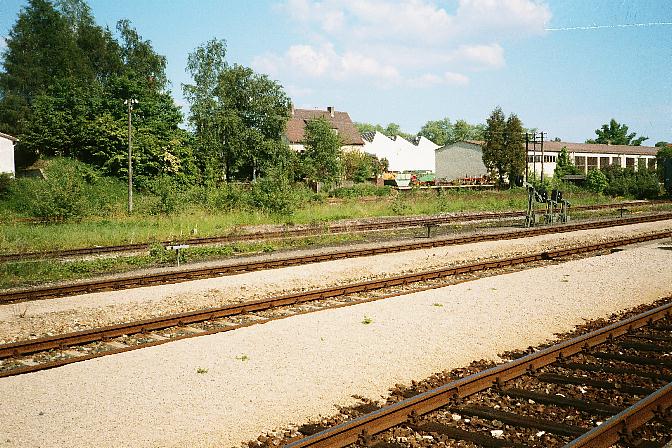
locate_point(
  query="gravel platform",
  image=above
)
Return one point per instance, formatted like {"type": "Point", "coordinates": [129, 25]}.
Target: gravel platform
{"type": "Point", "coordinates": [53, 316]}
{"type": "Point", "coordinates": [290, 371]}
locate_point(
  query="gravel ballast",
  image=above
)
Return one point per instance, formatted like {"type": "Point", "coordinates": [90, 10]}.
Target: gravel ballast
{"type": "Point", "coordinates": [290, 371]}
{"type": "Point", "coordinates": [54, 316]}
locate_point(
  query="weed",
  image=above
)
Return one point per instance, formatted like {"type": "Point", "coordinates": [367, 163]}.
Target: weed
{"type": "Point", "coordinates": [243, 358]}
{"type": "Point", "coordinates": [438, 304]}
{"type": "Point", "coordinates": [367, 320]}
{"type": "Point", "coordinates": [17, 311]}
{"type": "Point", "coordinates": [201, 370]}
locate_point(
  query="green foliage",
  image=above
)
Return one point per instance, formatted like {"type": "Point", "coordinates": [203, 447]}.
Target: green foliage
{"type": "Point", "coordinates": [360, 166]}
{"type": "Point", "coordinates": [494, 152]}
{"type": "Point", "coordinates": [71, 190]}
{"type": "Point", "coordinates": [239, 116]}
{"type": "Point", "coordinates": [614, 133]}
{"type": "Point", "coordinates": [514, 150]}
{"type": "Point", "coordinates": [321, 159]}
{"type": "Point", "coordinates": [167, 194]}
{"type": "Point", "coordinates": [361, 190]}
{"type": "Point", "coordinates": [641, 184]}
{"type": "Point", "coordinates": [664, 166]}
{"type": "Point", "coordinates": [391, 130]}
{"type": "Point", "coordinates": [596, 181]}
{"type": "Point", "coordinates": [276, 195]}
{"type": "Point", "coordinates": [5, 182]}
{"type": "Point", "coordinates": [63, 88]}
{"type": "Point", "coordinates": [564, 165]}
{"type": "Point", "coordinates": [438, 131]}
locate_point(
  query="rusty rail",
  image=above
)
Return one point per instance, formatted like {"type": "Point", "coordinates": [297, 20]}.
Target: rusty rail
{"type": "Point", "coordinates": [198, 273]}
{"type": "Point", "coordinates": [293, 233]}
{"type": "Point", "coordinates": [389, 416]}
{"type": "Point", "coordinates": [87, 336]}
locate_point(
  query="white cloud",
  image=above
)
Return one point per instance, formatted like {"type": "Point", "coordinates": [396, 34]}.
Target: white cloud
{"type": "Point", "coordinates": [394, 42]}
{"type": "Point", "coordinates": [325, 62]}
{"type": "Point", "coordinates": [431, 80]}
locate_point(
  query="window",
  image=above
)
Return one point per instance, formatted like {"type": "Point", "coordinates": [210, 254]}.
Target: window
{"type": "Point", "coordinates": [604, 162]}
{"type": "Point", "coordinates": [652, 163]}
{"type": "Point", "coordinates": [549, 158]}
{"type": "Point", "coordinates": [641, 164]}
{"type": "Point", "coordinates": [580, 162]}
{"type": "Point", "coordinates": [630, 162]}
{"type": "Point", "coordinates": [616, 161]}
{"type": "Point", "coordinates": [592, 163]}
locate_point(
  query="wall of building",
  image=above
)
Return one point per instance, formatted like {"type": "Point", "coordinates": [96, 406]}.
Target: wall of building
{"type": "Point", "coordinates": [6, 156]}
{"type": "Point", "coordinates": [459, 160]}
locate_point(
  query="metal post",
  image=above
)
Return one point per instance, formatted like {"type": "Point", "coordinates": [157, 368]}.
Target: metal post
{"type": "Point", "coordinates": [130, 103]}
{"type": "Point", "coordinates": [527, 147]}
{"type": "Point", "coordinates": [534, 155]}
{"type": "Point", "coordinates": [542, 156]}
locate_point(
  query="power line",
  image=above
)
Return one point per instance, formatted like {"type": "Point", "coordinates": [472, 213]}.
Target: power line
{"type": "Point", "coordinates": [599, 27]}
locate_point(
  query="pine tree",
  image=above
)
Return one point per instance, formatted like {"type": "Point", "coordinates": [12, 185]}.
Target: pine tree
{"type": "Point", "coordinates": [514, 149]}
{"type": "Point", "coordinates": [494, 151]}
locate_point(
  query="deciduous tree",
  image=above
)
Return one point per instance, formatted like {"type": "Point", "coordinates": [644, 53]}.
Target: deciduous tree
{"type": "Point", "coordinates": [614, 133]}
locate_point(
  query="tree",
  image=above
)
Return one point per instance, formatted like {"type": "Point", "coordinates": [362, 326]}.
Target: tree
{"type": "Point", "coordinates": [321, 159]}
{"type": "Point", "coordinates": [238, 116]}
{"type": "Point", "coordinates": [465, 131]}
{"type": "Point", "coordinates": [494, 151]}
{"type": "Point", "coordinates": [664, 167]}
{"type": "Point", "coordinates": [662, 144]}
{"type": "Point", "coordinates": [616, 134]}
{"type": "Point", "coordinates": [596, 181]}
{"type": "Point", "coordinates": [564, 165]}
{"type": "Point", "coordinates": [514, 149]}
{"type": "Point", "coordinates": [440, 132]}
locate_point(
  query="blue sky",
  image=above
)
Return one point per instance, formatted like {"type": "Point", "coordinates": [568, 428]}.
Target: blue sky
{"type": "Point", "coordinates": [409, 61]}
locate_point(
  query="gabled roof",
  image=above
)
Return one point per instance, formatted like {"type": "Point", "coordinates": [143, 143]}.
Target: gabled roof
{"type": "Point", "coordinates": [338, 120]}
{"type": "Point", "coordinates": [591, 148]}
{"type": "Point", "coordinates": [9, 137]}
{"type": "Point", "coordinates": [599, 148]}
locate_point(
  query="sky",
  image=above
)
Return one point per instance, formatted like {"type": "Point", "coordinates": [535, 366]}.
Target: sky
{"type": "Point", "coordinates": [563, 66]}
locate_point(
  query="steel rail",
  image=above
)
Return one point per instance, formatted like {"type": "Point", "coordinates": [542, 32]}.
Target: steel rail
{"type": "Point", "coordinates": [137, 281]}
{"type": "Point", "coordinates": [624, 423]}
{"type": "Point", "coordinates": [400, 412]}
{"type": "Point", "coordinates": [285, 233]}
{"type": "Point", "coordinates": [93, 335]}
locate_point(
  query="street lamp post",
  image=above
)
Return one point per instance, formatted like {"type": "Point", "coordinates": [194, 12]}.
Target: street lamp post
{"type": "Point", "coordinates": [130, 102]}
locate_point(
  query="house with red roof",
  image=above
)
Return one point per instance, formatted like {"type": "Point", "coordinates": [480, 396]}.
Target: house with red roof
{"type": "Point", "coordinates": [340, 122]}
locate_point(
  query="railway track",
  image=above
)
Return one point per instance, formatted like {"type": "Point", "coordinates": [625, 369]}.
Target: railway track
{"type": "Point", "coordinates": [610, 386]}
{"type": "Point", "coordinates": [136, 281]}
{"type": "Point", "coordinates": [54, 351]}
{"type": "Point", "coordinates": [293, 233]}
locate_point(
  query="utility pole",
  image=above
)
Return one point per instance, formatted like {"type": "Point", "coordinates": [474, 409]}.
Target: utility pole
{"type": "Point", "coordinates": [527, 148]}
{"type": "Point", "coordinates": [542, 155]}
{"type": "Point", "coordinates": [130, 102]}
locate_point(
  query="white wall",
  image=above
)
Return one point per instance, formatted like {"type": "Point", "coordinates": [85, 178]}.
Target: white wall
{"type": "Point", "coordinates": [6, 156]}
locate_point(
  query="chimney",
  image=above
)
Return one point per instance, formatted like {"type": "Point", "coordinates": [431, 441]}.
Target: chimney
{"type": "Point", "coordinates": [330, 109]}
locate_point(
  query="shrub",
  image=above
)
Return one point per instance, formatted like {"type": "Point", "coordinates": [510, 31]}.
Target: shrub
{"type": "Point", "coordinates": [5, 182]}
{"type": "Point", "coordinates": [641, 184]}
{"type": "Point", "coordinates": [70, 190]}
{"type": "Point", "coordinates": [167, 194]}
{"type": "Point", "coordinates": [361, 190]}
{"type": "Point", "coordinates": [596, 181]}
{"type": "Point", "coordinates": [274, 195]}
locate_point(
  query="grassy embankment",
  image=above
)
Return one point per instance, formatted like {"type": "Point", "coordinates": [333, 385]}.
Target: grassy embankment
{"type": "Point", "coordinates": [118, 228]}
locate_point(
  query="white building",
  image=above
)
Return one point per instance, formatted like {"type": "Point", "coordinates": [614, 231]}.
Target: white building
{"type": "Point", "coordinates": [402, 154]}
{"type": "Point", "coordinates": [7, 154]}
{"type": "Point", "coordinates": [465, 159]}
{"type": "Point", "coordinates": [589, 156]}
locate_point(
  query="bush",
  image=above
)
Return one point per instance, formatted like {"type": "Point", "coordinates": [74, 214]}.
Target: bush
{"type": "Point", "coordinates": [596, 181]}
{"type": "Point", "coordinates": [168, 195]}
{"type": "Point", "coordinates": [361, 190]}
{"type": "Point", "coordinates": [641, 184]}
{"type": "Point", "coordinates": [70, 190]}
{"type": "Point", "coordinates": [275, 195]}
{"type": "Point", "coordinates": [5, 182]}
